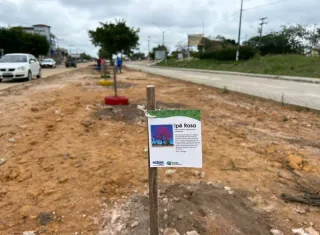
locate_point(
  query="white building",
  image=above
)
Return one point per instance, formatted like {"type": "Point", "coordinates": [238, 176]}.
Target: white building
{"type": "Point", "coordinates": [44, 30]}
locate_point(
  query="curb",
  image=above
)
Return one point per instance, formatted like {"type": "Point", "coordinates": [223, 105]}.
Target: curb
{"type": "Point", "coordinates": [275, 77]}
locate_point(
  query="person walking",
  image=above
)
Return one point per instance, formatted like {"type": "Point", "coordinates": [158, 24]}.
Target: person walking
{"type": "Point", "coordinates": [119, 64]}
{"type": "Point", "coordinates": [99, 64]}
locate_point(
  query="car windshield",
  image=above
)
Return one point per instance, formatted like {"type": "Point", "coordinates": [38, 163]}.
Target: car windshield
{"type": "Point", "coordinates": [47, 60]}
{"type": "Point", "coordinates": [14, 59]}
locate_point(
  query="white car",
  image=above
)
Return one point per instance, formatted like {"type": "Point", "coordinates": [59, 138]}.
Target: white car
{"type": "Point", "coordinates": [48, 63]}
{"type": "Point", "coordinates": [19, 66]}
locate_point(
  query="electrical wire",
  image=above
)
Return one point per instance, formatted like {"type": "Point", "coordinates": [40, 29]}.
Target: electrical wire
{"type": "Point", "coordinates": [268, 4]}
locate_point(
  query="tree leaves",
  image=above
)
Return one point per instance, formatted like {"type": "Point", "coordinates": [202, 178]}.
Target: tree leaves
{"type": "Point", "coordinates": [15, 40]}
{"type": "Point", "coordinates": [115, 37]}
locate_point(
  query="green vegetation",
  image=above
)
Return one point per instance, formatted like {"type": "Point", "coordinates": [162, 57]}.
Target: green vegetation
{"type": "Point", "coordinates": [280, 52]}
{"type": "Point", "coordinates": [85, 56]}
{"type": "Point", "coordinates": [114, 38]}
{"type": "Point", "coordinates": [15, 40]}
{"type": "Point", "coordinates": [289, 65]}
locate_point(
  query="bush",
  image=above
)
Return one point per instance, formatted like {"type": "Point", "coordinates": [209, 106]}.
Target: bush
{"type": "Point", "coordinates": [195, 54]}
{"type": "Point", "coordinates": [209, 55]}
{"type": "Point", "coordinates": [246, 53]}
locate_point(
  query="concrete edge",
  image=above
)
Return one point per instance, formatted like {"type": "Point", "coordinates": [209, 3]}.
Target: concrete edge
{"type": "Point", "coordinates": [275, 77]}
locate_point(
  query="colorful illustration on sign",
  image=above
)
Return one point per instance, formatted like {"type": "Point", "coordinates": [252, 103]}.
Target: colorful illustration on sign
{"type": "Point", "coordinates": [162, 136]}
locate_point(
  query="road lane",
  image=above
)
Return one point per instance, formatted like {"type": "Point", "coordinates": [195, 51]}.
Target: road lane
{"type": "Point", "coordinates": [291, 92]}
{"type": "Point", "coordinates": [45, 73]}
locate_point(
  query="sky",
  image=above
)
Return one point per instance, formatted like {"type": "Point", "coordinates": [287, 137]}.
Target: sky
{"type": "Point", "coordinates": [71, 19]}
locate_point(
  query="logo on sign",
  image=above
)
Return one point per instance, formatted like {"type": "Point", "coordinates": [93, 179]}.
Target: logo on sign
{"type": "Point", "coordinates": [169, 163]}
{"type": "Point", "coordinates": [158, 163]}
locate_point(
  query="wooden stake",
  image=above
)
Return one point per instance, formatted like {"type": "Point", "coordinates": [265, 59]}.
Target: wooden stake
{"type": "Point", "coordinates": [153, 172]}
{"type": "Point", "coordinates": [115, 81]}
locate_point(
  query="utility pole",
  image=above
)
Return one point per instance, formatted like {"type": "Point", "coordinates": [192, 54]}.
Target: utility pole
{"type": "Point", "coordinates": [203, 40]}
{"type": "Point", "coordinates": [188, 49]}
{"type": "Point", "coordinates": [162, 38]}
{"type": "Point", "coordinates": [314, 35]}
{"type": "Point", "coordinates": [260, 31]}
{"type": "Point", "coordinates": [239, 33]}
{"type": "Point", "coordinates": [148, 47]}
{"type": "Point", "coordinates": [202, 27]}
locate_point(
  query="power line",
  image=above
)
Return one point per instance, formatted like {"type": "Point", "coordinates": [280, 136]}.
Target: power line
{"type": "Point", "coordinates": [268, 4]}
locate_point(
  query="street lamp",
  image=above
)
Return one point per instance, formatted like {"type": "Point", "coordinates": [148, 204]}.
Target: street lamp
{"type": "Point", "coordinates": [161, 31]}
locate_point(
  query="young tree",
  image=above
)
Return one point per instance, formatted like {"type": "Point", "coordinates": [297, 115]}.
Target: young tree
{"type": "Point", "coordinates": [115, 37]}
{"type": "Point", "coordinates": [182, 48]}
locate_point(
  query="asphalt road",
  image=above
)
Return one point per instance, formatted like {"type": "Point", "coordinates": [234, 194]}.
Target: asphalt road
{"type": "Point", "coordinates": [297, 93]}
{"type": "Point", "coordinates": [45, 73]}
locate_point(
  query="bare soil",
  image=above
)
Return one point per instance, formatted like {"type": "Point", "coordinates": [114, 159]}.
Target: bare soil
{"type": "Point", "coordinates": [204, 208]}
{"type": "Point", "coordinates": [71, 161]}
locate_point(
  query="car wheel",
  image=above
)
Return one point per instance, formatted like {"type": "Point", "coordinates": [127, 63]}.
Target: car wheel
{"type": "Point", "coordinates": [29, 76]}
{"type": "Point", "coordinates": [0, 80]}
{"type": "Point", "coordinates": [39, 75]}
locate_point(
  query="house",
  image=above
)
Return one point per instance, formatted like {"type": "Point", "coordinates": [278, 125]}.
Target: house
{"type": "Point", "coordinates": [315, 52]}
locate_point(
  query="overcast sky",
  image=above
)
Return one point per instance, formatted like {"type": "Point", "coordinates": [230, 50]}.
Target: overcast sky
{"type": "Point", "coordinates": [71, 19]}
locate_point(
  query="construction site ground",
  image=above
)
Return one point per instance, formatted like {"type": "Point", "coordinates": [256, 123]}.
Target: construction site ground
{"type": "Point", "coordinates": [71, 165]}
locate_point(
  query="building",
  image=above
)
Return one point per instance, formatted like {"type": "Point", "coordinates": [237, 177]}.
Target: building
{"type": "Point", "coordinates": [44, 30]}
{"type": "Point", "coordinates": [315, 52]}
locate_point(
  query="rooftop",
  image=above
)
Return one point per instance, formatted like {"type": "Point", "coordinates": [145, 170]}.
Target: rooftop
{"type": "Point", "coordinates": [41, 25]}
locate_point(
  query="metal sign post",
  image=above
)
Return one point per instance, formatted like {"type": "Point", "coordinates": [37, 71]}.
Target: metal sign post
{"type": "Point", "coordinates": [115, 81]}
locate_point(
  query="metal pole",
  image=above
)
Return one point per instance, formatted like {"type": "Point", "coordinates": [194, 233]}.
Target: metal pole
{"type": "Point", "coordinates": [261, 29]}
{"type": "Point", "coordinates": [115, 81]}
{"type": "Point", "coordinates": [188, 49]}
{"type": "Point", "coordinates": [239, 33]}
{"type": "Point", "coordinates": [148, 47]}
{"type": "Point", "coordinates": [162, 38]}
{"type": "Point", "coordinates": [153, 172]}
{"type": "Point", "coordinates": [314, 34]}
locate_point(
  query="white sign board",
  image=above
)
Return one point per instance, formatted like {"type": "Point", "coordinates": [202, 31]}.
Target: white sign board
{"type": "Point", "coordinates": [175, 138]}
{"type": "Point", "coordinates": [160, 55]}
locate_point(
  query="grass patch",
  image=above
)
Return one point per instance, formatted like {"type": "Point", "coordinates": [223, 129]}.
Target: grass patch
{"type": "Point", "coordinates": [288, 65]}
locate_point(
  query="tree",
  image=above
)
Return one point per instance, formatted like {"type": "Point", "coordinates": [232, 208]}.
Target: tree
{"type": "Point", "coordinates": [138, 56]}
{"type": "Point", "coordinates": [313, 38]}
{"type": "Point", "coordinates": [115, 37]}
{"type": "Point", "coordinates": [14, 40]}
{"type": "Point", "coordinates": [272, 43]}
{"type": "Point", "coordinates": [163, 135]}
{"type": "Point", "coordinates": [102, 53]}
{"type": "Point", "coordinates": [85, 56]}
{"type": "Point", "coordinates": [296, 35]}
{"type": "Point", "coordinates": [182, 48]}
{"type": "Point", "coordinates": [215, 44]}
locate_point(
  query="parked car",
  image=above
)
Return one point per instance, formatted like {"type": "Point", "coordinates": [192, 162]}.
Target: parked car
{"type": "Point", "coordinates": [19, 66]}
{"type": "Point", "coordinates": [48, 63]}
{"type": "Point", "coordinates": [71, 63]}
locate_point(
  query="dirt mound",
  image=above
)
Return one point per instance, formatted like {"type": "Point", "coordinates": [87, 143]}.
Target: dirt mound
{"type": "Point", "coordinates": [202, 208]}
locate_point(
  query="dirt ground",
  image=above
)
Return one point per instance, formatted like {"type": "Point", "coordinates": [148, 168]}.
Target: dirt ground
{"type": "Point", "coordinates": [71, 165]}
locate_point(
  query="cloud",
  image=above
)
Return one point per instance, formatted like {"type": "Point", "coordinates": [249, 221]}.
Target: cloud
{"type": "Point", "coordinates": [71, 19]}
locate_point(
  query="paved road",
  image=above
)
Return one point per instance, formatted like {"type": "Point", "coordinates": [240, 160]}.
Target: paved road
{"type": "Point", "coordinates": [298, 93]}
{"type": "Point", "coordinates": [45, 73]}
